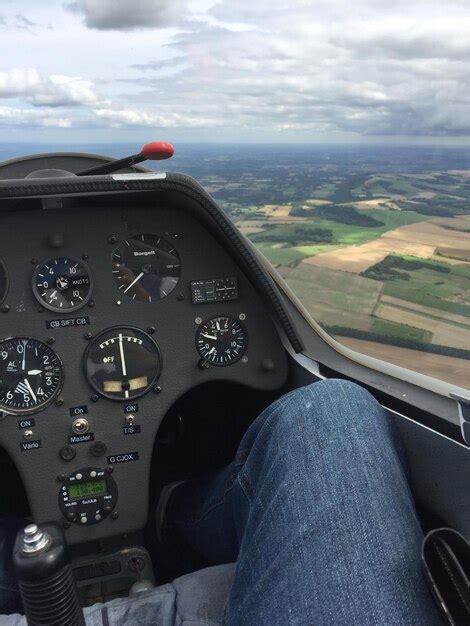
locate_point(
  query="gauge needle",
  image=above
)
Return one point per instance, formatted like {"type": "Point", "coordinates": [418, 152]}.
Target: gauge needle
{"type": "Point", "coordinates": [134, 282]}
{"type": "Point", "coordinates": [23, 365]}
{"type": "Point", "coordinates": [210, 337]}
{"type": "Point", "coordinates": [123, 362]}
{"type": "Point", "coordinates": [34, 372]}
{"type": "Point", "coordinates": [30, 389]}
{"type": "Point", "coordinates": [123, 359]}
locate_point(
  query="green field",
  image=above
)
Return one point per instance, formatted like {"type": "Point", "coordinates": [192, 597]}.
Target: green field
{"type": "Point", "coordinates": [282, 256]}
{"type": "Point", "coordinates": [320, 286]}
{"type": "Point", "coordinates": [383, 327]}
{"type": "Point", "coordinates": [448, 292]}
{"type": "Point", "coordinates": [295, 247]}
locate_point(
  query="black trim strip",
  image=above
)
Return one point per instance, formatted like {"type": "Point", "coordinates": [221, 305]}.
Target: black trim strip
{"type": "Point", "coordinates": [434, 422]}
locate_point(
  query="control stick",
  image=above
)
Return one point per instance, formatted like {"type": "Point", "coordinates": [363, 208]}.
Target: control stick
{"type": "Point", "coordinates": [153, 151]}
{"type": "Point", "coordinates": [45, 577]}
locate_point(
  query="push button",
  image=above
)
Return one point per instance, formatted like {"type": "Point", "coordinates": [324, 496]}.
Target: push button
{"type": "Point", "coordinates": [67, 453]}
{"type": "Point", "coordinates": [98, 448]}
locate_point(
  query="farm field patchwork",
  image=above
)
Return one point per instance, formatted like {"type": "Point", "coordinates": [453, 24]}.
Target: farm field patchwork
{"type": "Point", "coordinates": [389, 266]}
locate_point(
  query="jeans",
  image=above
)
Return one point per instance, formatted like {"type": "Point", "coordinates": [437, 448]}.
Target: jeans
{"type": "Point", "coordinates": [10, 600]}
{"type": "Point", "coordinates": [317, 513]}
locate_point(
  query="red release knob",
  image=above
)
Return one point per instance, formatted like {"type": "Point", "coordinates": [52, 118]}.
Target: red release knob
{"type": "Point", "coordinates": [157, 151]}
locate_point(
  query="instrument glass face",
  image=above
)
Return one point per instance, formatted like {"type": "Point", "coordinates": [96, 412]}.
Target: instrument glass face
{"type": "Point", "coordinates": [31, 375]}
{"type": "Point", "coordinates": [3, 281]}
{"type": "Point", "coordinates": [122, 363]}
{"type": "Point", "coordinates": [221, 341]}
{"type": "Point", "coordinates": [146, 267]}
{"type": "Point", "coordinates": [62, 284]}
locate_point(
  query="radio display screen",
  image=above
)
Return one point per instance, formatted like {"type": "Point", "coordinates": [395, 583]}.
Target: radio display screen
{"type": "Point", "coordinates": [89, 489]}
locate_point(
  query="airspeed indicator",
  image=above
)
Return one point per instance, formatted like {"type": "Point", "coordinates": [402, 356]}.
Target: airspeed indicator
{"type": "Point", "coordinates": [62, 284]}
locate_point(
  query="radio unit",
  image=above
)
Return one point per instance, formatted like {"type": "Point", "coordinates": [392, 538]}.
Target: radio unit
{"type": "Point", "coordinates": [88, 496]}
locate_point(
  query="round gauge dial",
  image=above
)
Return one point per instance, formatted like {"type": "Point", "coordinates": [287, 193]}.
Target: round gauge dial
{"type": "Point", "coordinates": [3, 281]}
{"type": "Point", "coordinates": [31, 375]}
{"type": "Point", "coordinates": [122, 363]}
{"type": "Point", "coordinates": [146, 267]}
{"type": "Point", "coordinates": [221, 341]}
{"type": "Point", "coordinates": [62, 284]}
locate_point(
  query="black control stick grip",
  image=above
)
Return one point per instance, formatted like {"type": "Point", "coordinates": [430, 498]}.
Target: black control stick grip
{"type": "Point", "coordinates": [45, 577]}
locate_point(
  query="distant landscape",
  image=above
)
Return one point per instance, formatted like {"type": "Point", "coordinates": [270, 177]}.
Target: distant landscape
{"type": "Point", "coordinates": [375, 241]}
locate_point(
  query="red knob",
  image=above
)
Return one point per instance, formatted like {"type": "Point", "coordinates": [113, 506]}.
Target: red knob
{"type": "Point", "coordinates": [157, 151]}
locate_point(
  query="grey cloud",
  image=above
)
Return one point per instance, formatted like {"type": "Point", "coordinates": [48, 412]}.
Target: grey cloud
{"type": "Point", "coordinates": [24, 23]}
{"type": "Point", "coordinates": [368, 73]}
{"type": "Point", "coordinates": [124, 15]}
{"type": "Point", "coordinates": [269, 67]}
{"type": "Point", "coordinates": [178, 62]}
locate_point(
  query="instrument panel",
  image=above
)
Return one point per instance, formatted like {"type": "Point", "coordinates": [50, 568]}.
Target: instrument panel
{"type": "Point", "coordinates": [108, 315]}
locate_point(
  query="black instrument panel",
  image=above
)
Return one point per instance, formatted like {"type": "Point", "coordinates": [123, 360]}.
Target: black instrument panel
{"type": "Point", "coordinates": [126, 337]}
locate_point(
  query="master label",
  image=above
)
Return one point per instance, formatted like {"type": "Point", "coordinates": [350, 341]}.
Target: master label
{"type": "Point", "coordinates": [81, 438]}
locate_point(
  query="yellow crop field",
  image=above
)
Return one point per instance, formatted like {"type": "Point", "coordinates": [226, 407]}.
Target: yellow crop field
{"type": "Point", "coordinates": [444, 333]}
{"type": "Point", "coordinates": [431, 234]}
{"type": "Point", "coordinates": [357, 259]}
{"type": "Point", "coordinates": [426, 310]}
{"type": "Point", "coordinates": [450, 369]}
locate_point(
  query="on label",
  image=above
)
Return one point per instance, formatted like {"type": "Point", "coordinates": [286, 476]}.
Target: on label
{"type": "Point", "coordinates": [26, 423]}
{"type": "Point", "coordinates": [78, 410]}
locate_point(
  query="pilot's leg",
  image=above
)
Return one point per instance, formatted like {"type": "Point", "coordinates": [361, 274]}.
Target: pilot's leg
{"type": "Point", "coordinates": [317, 512]}
{"type": "Point", "coordinates": [10, 601]}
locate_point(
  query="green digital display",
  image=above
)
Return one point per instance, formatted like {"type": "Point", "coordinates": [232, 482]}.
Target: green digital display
{"type": "Point", "coordinates": [89, 489]}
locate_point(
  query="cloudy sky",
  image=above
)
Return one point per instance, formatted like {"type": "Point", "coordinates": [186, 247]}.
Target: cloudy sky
{"type": "Point", "coordinates": [235, 70]}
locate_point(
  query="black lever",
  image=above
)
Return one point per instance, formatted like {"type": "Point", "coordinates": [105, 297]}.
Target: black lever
{"type": "Point", "coordinates": [154, 151]}
{"type": "Point", "coordinates": [45, 577]}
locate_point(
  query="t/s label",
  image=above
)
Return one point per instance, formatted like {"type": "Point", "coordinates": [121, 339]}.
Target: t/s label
{"type": "Point", "coordinates": [125, 457]}
{"type": "Point", "coordinates": [131, 430]}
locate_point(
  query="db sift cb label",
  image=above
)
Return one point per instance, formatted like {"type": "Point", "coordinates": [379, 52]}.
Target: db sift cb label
{"type": "Point", "coordinates": [70, 322]}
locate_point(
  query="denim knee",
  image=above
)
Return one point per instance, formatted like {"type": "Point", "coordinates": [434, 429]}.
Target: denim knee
{"type": "Point", "coordinates": [330, 408]}
{"type": "Point", "coordinates": [332, 432]}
